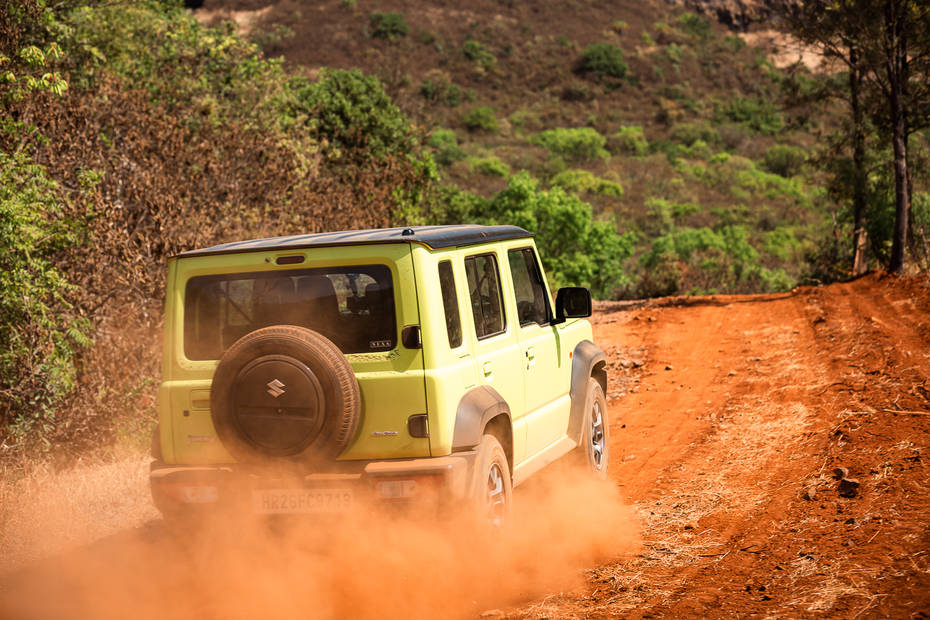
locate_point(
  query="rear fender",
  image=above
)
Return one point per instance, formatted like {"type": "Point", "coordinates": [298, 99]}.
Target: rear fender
{"type": "Point", "coordinates": [476, 409]}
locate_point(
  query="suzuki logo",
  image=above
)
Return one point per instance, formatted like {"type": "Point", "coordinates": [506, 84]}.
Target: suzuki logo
{"type": "Point", "coordinates": [275, 388]}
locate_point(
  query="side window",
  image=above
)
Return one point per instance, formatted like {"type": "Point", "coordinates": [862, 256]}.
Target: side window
{"type": "Point", "coordinates": [528, 286]}
{"type": "Point", "coordinates": [450, 304]}
{"type": "Point", "coordinates": [484, 288]}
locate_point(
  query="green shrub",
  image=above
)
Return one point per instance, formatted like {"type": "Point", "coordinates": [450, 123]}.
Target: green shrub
{"type": "Point", "coordinates": [694, 25]}
{"type": "Point", "coordinates": [604, 60]}
{"type": "Point", "coordinates": [784, 160]}
{"type": "Point", "coordinates": [446, 145]}
{"type": "Point", "coordinates": [759, 115]}
{"type": "Point", "coordinates": [437, 87]}
{"type": "Point", "coordinates": [40, 333]}
{"type": "Point", "coordinates": [479, 54]}
{"type": "Point", "coordinates": [388, 26]}
{"type": "Point", "coordinates": [489, 166]}
{"type": "Point", "coordinates": [583, 181]}
{"type": "Point", "coordinates": [578, 143]}
{"type": "Point", "coordinates": [481, 118]}
{"type": "Point", "coordinates": [352, 113]}
{"type": "Point", "coordinates": [689, 133]}
{"type": "Point", "coordinates": [630, 140]}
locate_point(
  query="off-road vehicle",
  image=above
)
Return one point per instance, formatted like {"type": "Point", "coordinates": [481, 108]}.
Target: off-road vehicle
{"type": "Point", "coordinates": [312, 372]}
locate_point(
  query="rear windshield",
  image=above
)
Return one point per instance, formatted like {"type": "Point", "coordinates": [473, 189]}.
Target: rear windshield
{"type": "Point", "coordinates": [352, 306]}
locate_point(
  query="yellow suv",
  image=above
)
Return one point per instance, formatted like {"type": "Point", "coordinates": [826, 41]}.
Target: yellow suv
{"type": "Point", "coordinates": [306, 374]}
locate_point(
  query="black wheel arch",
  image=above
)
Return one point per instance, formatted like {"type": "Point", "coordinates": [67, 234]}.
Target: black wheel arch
{"type": "Point", "coordinates": [587, 361]}
{"type": "Point", "coordinates": [483, 410]}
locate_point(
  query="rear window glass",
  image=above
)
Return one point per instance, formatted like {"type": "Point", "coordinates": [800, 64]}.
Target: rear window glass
{"type": "Point", "coordinates": [352, 306]}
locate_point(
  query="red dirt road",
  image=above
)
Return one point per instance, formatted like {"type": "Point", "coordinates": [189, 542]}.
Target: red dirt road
{"type": "Point", "coordinates": [728, 418]}
{"type": "Point", "coordinates": [741, 405]}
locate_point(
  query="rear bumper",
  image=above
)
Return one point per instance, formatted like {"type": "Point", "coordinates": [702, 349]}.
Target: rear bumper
{"type": "Point", "coordinates": [443, 479]}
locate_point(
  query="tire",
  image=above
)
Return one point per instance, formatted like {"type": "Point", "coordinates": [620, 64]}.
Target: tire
{"type": "Point", "coordinates": [284, 392]}
{"type": "Point", "coordinates": [492, 492]}
{"type": "Point", "coordinates": [593, 453]}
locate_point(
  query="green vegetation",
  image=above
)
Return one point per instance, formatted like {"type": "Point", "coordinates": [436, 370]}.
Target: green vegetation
{"type": "Point", "coordinates": [40, 332]}
{"type": "Point", "coordinates": [446, 146]}
{"type": "Point", "coordinates": [481, 118]}
{"type": "Point", "coordinates": [489, 166]}
{"type": "Point", "coordinates": [784, 160]}
{"type": "Point", "coordinates": [630, 140]}
{"type": "Point", "coordinates": [759, 115]}
{"type": "Point", "coordinates": [479, 54]}
{"type": "Point", "coordinates": [583, 181]}
{"type": "Point", "coordinates": [604, 61]}
{"type": "Point", "coordinates": [390, 26]}
{"type": "Point", "coordinates": [352, 112]}
{"type": "Point", "coordinates": [578, 143]}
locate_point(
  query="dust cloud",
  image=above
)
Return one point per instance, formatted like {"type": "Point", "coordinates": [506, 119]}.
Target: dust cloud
{"type": "Point", "coordinates": [365, 565]}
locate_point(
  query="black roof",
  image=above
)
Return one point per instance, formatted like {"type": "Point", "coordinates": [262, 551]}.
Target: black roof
{"type": "Point", "coordinates": [433, 237]}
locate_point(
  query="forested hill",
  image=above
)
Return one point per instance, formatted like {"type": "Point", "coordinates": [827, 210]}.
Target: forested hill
{"type": "Point", "coordinates": [651, 149]}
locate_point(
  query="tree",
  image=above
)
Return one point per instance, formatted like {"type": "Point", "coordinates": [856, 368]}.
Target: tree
{"type": "Point", "coordinates": [886, 44]}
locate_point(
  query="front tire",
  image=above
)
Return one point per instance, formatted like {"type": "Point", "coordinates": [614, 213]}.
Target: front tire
{"type": "Point", "coordinates": [593, 454]}
{"type": "Point", "coordinates": [492, 492]}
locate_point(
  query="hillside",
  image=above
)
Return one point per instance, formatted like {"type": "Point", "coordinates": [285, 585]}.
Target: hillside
{"type": "Point", "coordinates": [676, 133]}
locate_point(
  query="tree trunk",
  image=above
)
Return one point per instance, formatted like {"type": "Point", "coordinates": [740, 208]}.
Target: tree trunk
{"type": "Point", "coordinates": [896, 52]}
{"type": "Point", "coordinates": [860, 262]}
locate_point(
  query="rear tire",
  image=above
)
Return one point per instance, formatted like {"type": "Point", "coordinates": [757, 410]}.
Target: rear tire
{"type": "Point", "coordinates": [492, 492]}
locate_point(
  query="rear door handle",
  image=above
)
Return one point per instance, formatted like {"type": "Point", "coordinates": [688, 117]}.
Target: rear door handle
{"type": "Point", "coordinates": [530, 357]}
{"type": "Point", "coordinates": [487, 369]}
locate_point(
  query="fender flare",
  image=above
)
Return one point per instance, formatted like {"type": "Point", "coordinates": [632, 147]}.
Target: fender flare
{"type": "Point", "coordinates": [476, 408]}
{"type": "Point", "coordinates": [587, 361]}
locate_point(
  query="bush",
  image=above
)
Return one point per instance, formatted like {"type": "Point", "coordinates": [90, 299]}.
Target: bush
{"type": "Point", "coordinates": [490, 166]}
{"type": "Point", "coordinates": [446, 145]}
{"type": "Point", "coordinates": [40, 333]}
{"type": "Point", "coordinates": [578, 143]}
{"type": "Point", "coordinates": [689, 133]}
{"type": "Point", "coordinates": [479, 54]}
{"type": "Point", "coordinates": [630, 140]}
{"type": "Point", "coordinates": [694, 25]}
{"type": "Point", "coordinates": [602, 61]}
{"type": "Point", "coordinates": [759, 115]}
{"type": "Point", "coordinates": [437, 87]}
{"type": "Point", "coordinates": [784, 160]}
{"type": "Point", "coordinates": [352, 113]}
{"type": "Point", "coordinates": [481, 118]}
{"type": "Point", "coordinates": [583, 181]}
{"type": "Point", "coordinates": [388, 26]}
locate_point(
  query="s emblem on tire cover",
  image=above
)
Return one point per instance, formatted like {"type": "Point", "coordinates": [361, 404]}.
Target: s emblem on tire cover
{"type": "Point", "coordinates": [275, 388]}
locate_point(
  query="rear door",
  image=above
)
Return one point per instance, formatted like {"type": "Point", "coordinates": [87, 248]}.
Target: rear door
{"type": "Point", "coordinates": [496, 348]}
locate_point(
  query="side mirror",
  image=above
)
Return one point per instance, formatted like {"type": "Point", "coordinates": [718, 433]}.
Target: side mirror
{"type": "Point", "coordinates": [572, 302]}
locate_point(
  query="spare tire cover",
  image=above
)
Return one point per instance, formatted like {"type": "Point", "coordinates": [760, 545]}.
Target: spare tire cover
{"type": "Point", "coordinates": [284, 391]}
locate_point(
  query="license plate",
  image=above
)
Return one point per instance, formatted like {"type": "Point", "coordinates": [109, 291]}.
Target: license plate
{"type": "Point", "coordinates": [297, 501]}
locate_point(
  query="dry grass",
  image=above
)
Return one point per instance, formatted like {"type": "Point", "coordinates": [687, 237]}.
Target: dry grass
{"type": "Point", "coordinates": [43, 512]}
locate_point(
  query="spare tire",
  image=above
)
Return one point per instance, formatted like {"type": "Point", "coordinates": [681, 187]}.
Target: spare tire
{"type": "Point", "coordinates": [284, 392]}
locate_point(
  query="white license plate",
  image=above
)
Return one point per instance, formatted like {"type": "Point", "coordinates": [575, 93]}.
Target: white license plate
{"type": "Point", "coordinates": [297, 501]}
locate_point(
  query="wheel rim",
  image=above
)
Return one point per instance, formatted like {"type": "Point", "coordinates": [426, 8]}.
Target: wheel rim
{"type": "Point", "coordinates": [496, 498]}
{"type": "Point", "coordinates": [597, 436]}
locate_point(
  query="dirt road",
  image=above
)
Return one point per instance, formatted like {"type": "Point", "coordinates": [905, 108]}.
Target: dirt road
{"type": "Point", "coordinates": [729, 416]}
{"type": "Point", "coordinates": [742, 408]}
